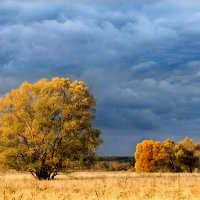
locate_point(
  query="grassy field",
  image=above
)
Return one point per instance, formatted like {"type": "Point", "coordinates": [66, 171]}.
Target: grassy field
{"type": "Point", "coordinates": [101, 185]}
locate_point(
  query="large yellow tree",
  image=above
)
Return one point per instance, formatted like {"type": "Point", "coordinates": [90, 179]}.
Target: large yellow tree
{"type": "Point", "coordinates": [47, 126]}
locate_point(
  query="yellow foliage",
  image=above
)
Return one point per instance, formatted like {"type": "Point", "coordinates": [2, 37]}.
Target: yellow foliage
{"type": "Point", "coordinates": [187, 153]}
{"type": "Point", "coordinates": [47, 123]}
{"type": "Point", "coordinates": [149, 155]}
{"type": "Point", "coordinates": [166, 156]}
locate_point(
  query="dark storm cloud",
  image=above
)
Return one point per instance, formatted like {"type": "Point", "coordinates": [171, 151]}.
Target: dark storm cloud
{"type": "Point", "coordinates": [140, 59]}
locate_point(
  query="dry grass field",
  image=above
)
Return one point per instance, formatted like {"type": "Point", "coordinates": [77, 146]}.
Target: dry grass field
{"type": "Point", "coordinates": [102, 186]}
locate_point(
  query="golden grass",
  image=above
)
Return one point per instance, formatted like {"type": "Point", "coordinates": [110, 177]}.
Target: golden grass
{"type": "Point", "coordinates": [101, 186]}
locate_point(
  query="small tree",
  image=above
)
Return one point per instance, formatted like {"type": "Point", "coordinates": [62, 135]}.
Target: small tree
{"type": "Point", "coordinates": [148, 156]}
{"type": "Point", "coordinates": [169, 162]}
{"type": "Point", "coordinates": [46, 126]}
{"type": "Point", "coordinates": [187, 154]}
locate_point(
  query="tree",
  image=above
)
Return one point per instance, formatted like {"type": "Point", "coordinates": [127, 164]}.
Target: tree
{"type": "Point", "coordinates": [169, 162]}
{"type": "Point", "coordinates": [187, 154]}
{"type": "Point", "coordinates": [148, 156]}
{"type": "Point", "coordinates": [47, 126]}
{"type": "Point", "coordinates": [167, 156]}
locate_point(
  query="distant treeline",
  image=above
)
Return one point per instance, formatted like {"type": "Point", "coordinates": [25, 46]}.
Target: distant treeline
{"type": "Point", "coordinates": [114, 163]}
{"type": "Point", "coordinates": [115, 159]}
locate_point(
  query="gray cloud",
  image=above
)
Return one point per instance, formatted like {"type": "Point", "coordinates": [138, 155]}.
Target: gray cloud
{"type": "Point", "coordinates": [140, 59]}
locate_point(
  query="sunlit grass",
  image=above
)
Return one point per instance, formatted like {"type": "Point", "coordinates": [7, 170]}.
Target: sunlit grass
{"type": "Point", "coordinates": [102, 185]}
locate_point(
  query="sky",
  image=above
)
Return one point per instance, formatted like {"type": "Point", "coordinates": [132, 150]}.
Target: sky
{"type": "Point", "coordinates": [140, 59]}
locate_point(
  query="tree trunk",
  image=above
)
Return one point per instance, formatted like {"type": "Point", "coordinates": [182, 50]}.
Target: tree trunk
{"type": "Point", "coordinates": [44, 173]}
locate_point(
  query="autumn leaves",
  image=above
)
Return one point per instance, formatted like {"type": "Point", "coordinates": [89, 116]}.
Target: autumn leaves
{"type": "Point", "coordinates": [47, 126]}
{"type": "Point", "coordinates": [167, 156]}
